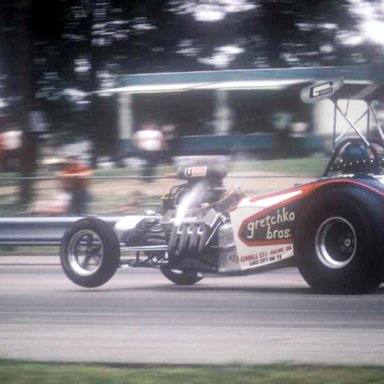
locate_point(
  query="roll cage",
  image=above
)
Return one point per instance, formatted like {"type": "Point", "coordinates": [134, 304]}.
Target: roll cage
{"type": "Point", "coordinates": [361, 153]}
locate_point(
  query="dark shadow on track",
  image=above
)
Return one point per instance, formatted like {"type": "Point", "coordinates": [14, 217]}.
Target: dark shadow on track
{"type": "Point", "coordinates": [200, 288]}
{"type": "Point", "coordinates": [203, 290]}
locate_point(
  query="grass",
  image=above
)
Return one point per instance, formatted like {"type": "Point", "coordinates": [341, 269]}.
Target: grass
{"type": "Point", "coordinates": [12, 372]}
{"type": "Point", "coordinates": [126, 171]}
{"type": "Point", "coordinates": [313, 166]}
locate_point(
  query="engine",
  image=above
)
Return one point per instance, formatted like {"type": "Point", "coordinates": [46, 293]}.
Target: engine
{"type": "Point", "coordinates": [196, 220]}
{"type": "Point", "coordinates": [205, 183]}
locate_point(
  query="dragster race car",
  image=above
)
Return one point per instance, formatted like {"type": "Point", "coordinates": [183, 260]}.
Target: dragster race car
{"type": "Point", "coordinates": [331, 228]}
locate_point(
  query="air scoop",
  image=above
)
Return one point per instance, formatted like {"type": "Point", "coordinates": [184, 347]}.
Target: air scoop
{"type": "Point", "coordinates": [212, 172]}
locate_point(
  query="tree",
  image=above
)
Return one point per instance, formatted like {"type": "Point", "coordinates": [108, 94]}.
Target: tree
{"type": "Point", "coordinates": [81, 46]}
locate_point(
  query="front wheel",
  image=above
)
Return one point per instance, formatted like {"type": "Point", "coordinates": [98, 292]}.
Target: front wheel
{"type": "Point", "coordinates": [180, 277]}
{"type": "Point", "coordinates": [89, 252]}
{"type": "Point", "coordinates": [337, 246]}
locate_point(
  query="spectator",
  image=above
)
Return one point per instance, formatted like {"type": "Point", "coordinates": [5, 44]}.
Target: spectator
{"type": "Point", "coordinates": [74, 177]}
{"type": "Point", "coordinates": [171, 140]}
{"type": "Point", "coordinates": [150, 142]}
{"type": "Point", "coordinates": [282, 122]}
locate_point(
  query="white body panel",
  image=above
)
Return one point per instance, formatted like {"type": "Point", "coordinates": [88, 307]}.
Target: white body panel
{"type": "Point", "coordinates": [270, 216]}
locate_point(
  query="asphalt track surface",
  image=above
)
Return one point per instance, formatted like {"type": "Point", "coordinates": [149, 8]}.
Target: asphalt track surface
{"type": "Point", "coordinates": [140, 317]}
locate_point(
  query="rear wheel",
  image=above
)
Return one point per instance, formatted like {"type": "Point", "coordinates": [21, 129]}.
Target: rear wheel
{"type": "Point", "coordinates": [180, 277]}
{"type": "Point", "coordinates": [336, 245]}
{"type": "Point", "coordinates": [336, 242]}
{"type": "Point", "coordinates": [90, 252]}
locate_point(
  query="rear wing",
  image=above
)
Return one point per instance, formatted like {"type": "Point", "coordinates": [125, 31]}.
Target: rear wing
{"type": "Point", "coordinates": [320, 90]}
{"type": "Point", "coordinates": [337, 89]}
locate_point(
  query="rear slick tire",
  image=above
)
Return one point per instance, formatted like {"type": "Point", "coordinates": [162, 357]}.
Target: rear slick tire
{"type": "Point", "coordinates": [337, 246]}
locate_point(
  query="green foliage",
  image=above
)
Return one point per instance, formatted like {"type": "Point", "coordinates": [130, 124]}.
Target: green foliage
{"type": "Point", "coordinates": [23, 372]}
{"type": "Point", "coordinates": [88, 44]}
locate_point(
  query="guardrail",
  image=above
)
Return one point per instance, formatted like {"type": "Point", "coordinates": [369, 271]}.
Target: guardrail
{"type": "Point", "coordinates": [38, 230]}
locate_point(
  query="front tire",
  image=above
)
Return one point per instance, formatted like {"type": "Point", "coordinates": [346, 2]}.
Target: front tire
{"type": "Point", "coordinates": [336, 243]}
{"type": "Point", "coordinates": [89, 252]}
{"type": "Point", "coordinates": [180, 277]}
